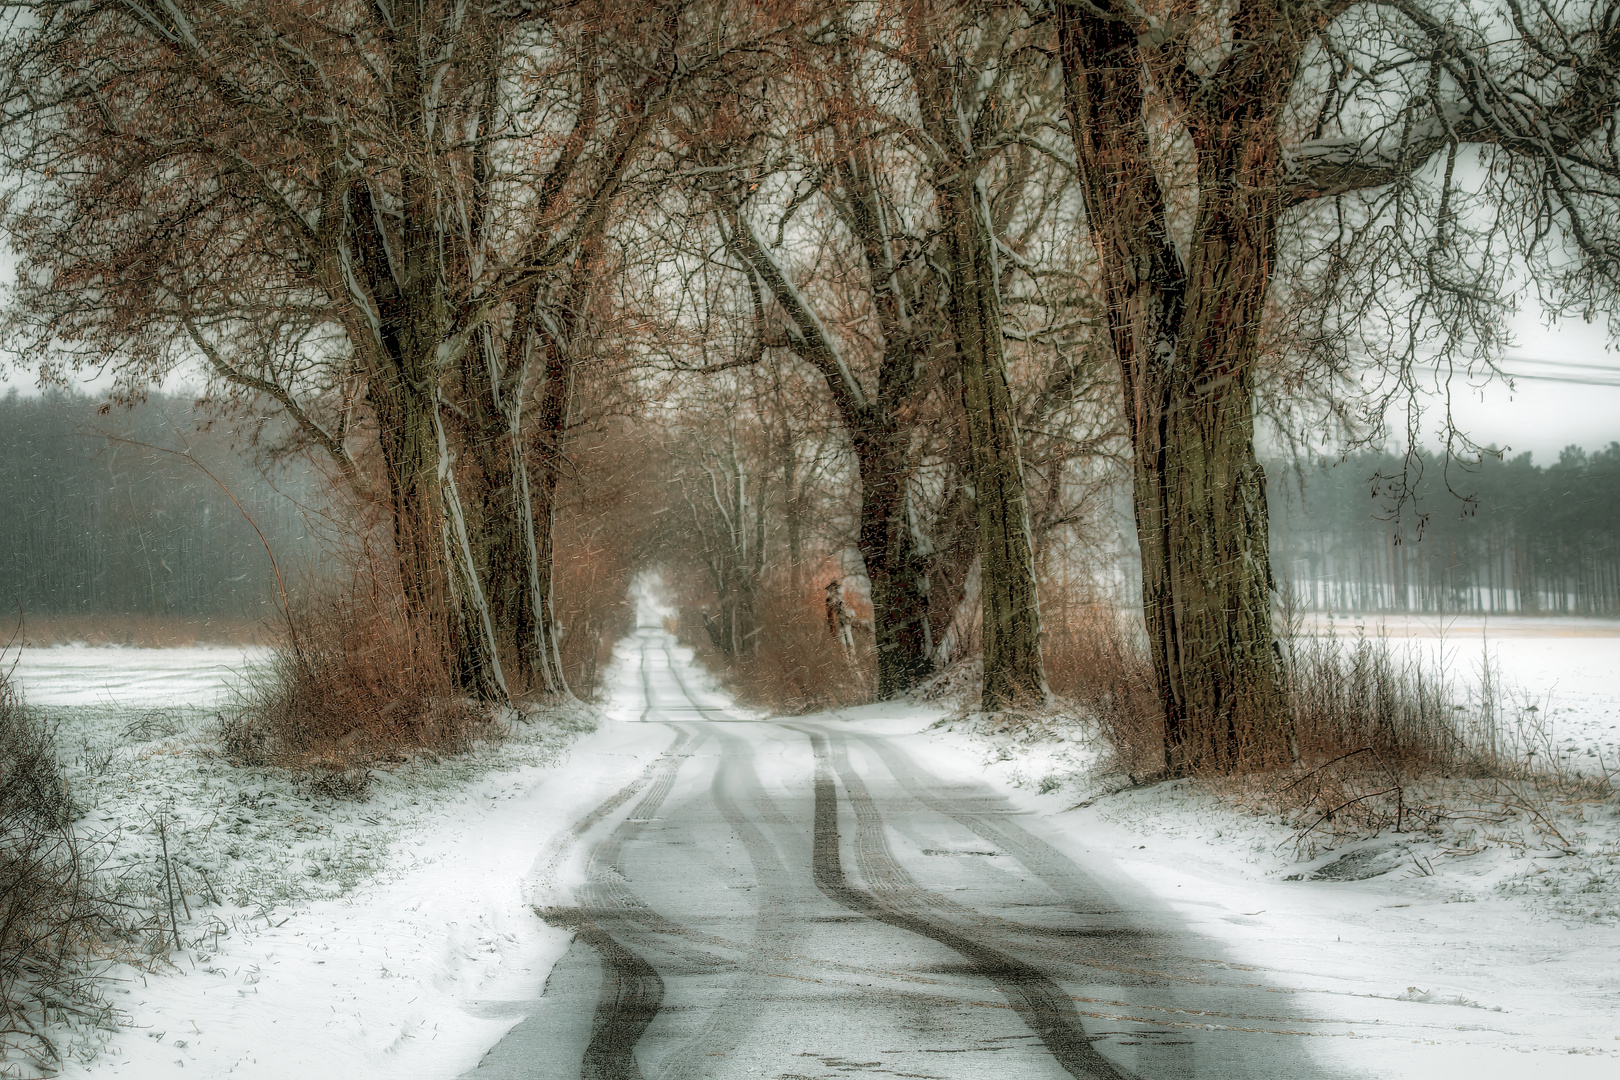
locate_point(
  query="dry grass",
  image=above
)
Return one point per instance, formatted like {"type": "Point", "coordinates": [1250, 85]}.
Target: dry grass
{"type": "Point", "coordinates": [1377, 738]}
{"type": "Point", "coordinates": [57, 922]}
{"type": "Point", "coordinates": [798, 666]}
{"type": "Point", "coordinates": [144, 631]}
{"type": "Point", "coordinates": [1096, 659]}
{"type": "Point", "coordinates": [359, 686]}
{"type": "Point", "coordinates": [1386, 742]}
{"type": "Point", "coordinates": [1362, 699]}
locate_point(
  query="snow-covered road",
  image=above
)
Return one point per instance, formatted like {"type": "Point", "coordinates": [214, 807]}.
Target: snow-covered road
{"type": "Point", "coordinates": [803, 899]}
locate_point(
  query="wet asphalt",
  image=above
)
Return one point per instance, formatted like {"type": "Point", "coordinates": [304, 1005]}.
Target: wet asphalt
{"type": "Point", "coordinates": [796, 899]}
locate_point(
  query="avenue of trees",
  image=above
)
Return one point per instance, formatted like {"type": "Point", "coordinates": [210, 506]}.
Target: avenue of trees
{"type": "Point", "coordinates": [907, 279]}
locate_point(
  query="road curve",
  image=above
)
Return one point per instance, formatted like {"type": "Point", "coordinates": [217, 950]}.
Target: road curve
{"type": "Point", "coordinates": [800, 900]}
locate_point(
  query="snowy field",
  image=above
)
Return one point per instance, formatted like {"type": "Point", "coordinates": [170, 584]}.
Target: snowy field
{"type": "Point", "coordinates": [318, 935]}
{"type": "Point", "coordinates": [122, 677]}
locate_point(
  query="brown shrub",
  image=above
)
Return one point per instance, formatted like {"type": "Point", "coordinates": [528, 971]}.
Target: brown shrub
{"type": "Point", "coordinates": [592, 605]}
{"type": "Point", "coordinates": [798, 665]}
{"type": "Point", "coordinates": [1097, 659]}
{"type": "Point", "coordinates": [1371, 698]}
{"type": "Point", "coordinates": [56, 921]}
{"type": "Point", "coordinates": [356, 685]}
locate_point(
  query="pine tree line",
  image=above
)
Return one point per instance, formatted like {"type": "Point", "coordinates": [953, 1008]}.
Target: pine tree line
{"type": "Point", "coordinates": [1507, 536]}
{"type": "Point", "coordinates": [95, 526]}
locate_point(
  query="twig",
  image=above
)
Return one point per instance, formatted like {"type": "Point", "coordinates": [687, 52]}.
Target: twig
{"type": "Point", "coordinates": [210, 885]}
{"type": "Point", "coordinates": [1327, 815]}
{"type": "Point", "coordinates": [180, 886]}
{"type": "Point", "coordinates": [168, 883]}
{"type": "Point", "coordinates": [1300, 780]}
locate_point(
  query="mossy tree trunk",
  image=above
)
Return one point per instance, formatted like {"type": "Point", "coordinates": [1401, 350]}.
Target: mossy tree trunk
{"type": "Point", "coordinates": [1011, 628]}
{"type": "Point", "coordinates": [1185, 331]}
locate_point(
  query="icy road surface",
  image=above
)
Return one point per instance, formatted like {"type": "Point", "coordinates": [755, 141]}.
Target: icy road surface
{"type": "Point", "coordinates": [801, 899]}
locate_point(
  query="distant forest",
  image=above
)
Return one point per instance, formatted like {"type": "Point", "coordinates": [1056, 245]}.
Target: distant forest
{"type": "Point", "coordinates": [1531, 539]}
{"type": "Point", "coordinates": [93, 526]}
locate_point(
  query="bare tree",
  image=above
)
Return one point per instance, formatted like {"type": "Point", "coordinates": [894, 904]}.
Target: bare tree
{"type": "Point", "coordinates": [338, 210]}
{"type": "Point", "coordinates": [978, 76]}
{"type": "Point", "coordinates": [725, 501]}
{"type": "Point", "coordinates": [1217, 143]}
{"type": "Point", "coordinates": [862, 224]}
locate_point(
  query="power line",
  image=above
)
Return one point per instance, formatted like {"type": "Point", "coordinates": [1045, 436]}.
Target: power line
{"type": "Point", "coordinates": [1573, 380]}
{"type": "Point", "coordinates": [1612, 369]}
{"type": "Point", "coordinates": [1530, 376]}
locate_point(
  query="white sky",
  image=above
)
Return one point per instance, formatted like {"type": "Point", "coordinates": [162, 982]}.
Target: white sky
{"type": "Point", "coordinates": [1545, 416]}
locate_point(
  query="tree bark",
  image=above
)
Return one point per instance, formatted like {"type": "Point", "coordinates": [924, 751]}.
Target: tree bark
{"type": "Point", "coordinates": [541, 651]}
{"type": "Point", "coordinates": [1186, 336]}
{"type": "Point", "coordinates": [887, 544]}
{"type": "Point", "coordinates": [1011, 614]}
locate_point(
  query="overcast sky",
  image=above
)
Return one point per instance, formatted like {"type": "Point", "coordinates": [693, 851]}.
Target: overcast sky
{"type": "Point", "coordinates": [1558, 398]}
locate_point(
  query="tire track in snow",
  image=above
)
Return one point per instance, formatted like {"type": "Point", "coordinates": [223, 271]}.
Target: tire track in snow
{"type": "Point", "coordinates": [632, 990]}
{"type": "Point", "coordinates": [1043, 1006]}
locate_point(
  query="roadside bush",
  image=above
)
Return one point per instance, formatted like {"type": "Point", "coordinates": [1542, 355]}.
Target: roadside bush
{"type": "Point", "coordinates": [1366, 701]}
{"type": "Point", "coordinates": [1097, 660]}
{"type": "Point", "coordinates": [56, 922]}
{"type": "Point", "coordinates": [354, 685]}
{"type": "Point", "coordinates": [798, 664]}
{"type": "Point", "coordinates": [1368, 697]}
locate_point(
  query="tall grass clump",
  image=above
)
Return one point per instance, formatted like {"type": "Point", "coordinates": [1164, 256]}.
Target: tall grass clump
{"type": "Point", "coordinates": [57, 922]}
{"type": "Point", "coordinates": [1365, 696]}
{"type": "Point", "coordinates": [1371, 734]}
{"type": "Point", "coordinates": [354, 683]}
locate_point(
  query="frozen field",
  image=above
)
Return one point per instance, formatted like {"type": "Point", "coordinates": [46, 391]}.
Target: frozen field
{"type": "Point", "coordinates": [118, 676]}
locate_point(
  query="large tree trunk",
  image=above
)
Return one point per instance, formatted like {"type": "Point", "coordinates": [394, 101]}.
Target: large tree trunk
{"type": "Point", "coordinates": [1011, 621]}
{"type": "Point", "coordinates": [888, 547]}
{"type": "Point", "coordinates": [1186, 335]}
{"type": "Point", "coordinates": [410, 458]}
{"type": "Point", "coordinates": [443, 595]}
{"type": "Point", "coordinates": [1206, 576]}
{"type": "Point", "coordinates": [487, 401]}
{"type": "Point", "coordinates": [542, 650]}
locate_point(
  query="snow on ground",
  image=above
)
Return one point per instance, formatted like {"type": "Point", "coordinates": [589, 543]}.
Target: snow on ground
{"type": "Point", "coordinates": [1488, 947]}
{"type": "Point", "coordinates": [394, 937]}
{"type": "Point", "coordinates": [1567, 669]}
{"type": "Point", "coordinates": [1437, 968]}
{"type": "Point", "coordinates": [383, 938]}
{"type": "Point", "coordinates": [116, 676]}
